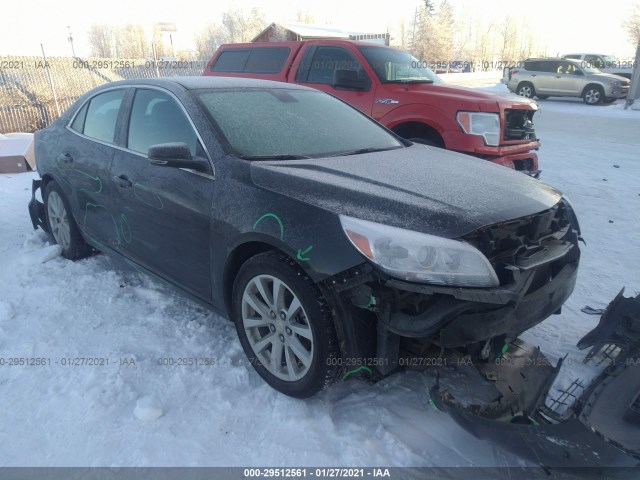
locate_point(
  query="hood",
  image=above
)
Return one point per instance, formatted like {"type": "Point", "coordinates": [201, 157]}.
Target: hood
{"type": "Point", "coordinates": [419, 188]}
{"type": "Point", "coordinates": [608, 76]}
{"type": "Point", "coordinates": [470, 99]}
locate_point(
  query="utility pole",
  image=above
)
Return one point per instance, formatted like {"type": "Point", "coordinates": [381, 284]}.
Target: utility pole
{"type": "Point", "coordinates": [632, 96]}
{"type": "Point", "coordinates": [70, 39]}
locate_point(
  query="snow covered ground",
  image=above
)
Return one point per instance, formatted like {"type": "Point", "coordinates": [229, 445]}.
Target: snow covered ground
{"type": "Point", "coordinates": [51, 308]}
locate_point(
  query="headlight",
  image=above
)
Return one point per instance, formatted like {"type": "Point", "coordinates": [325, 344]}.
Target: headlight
{"type": "Point", "coordinates": [419, 257]}
{"type": "Point", "coordinates": [487, 125]}
{"type": "Point", "coordinates": [615, 83]}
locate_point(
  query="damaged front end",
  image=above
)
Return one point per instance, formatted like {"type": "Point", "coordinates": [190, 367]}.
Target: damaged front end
{"type": "Point", "coordinates": [595, 425]}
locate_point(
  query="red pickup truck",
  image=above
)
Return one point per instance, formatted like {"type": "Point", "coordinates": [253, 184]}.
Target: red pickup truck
{"type": "Point", "coordinates": [398, 91]}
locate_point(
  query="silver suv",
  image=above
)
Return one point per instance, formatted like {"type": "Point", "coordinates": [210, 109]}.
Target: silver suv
{"type": "Point", "coordinates": [560, 77]}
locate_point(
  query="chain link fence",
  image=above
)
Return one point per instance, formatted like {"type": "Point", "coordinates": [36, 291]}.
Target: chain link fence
{"type": "Point", "coordinates": [33, 92]}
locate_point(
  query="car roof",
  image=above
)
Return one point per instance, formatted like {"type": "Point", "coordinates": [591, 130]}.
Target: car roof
{"type": "Point", "coordinates": [206, 82]}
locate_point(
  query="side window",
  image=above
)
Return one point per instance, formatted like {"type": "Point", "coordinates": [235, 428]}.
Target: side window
{"type": "Point", "coordinates": [550, 66]}
{"type": "Point", "coordinates": [157, 118]}
{"type": "Point", "coordinates": [256, 60]}
{"type": "Point", "coordinates": [102, 114]}
{"type": "Point", "coordinates": [329, 59]}
{"type": "Point", "coordinates": [568, 68]}
{"type": "Point", "coordinates": [594, 61]}
{"type": "Point", "coordinates": [78, 122]}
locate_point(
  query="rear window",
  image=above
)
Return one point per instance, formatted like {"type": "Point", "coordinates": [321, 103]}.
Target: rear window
{"type": "Point", "coordinates": [254, 60]}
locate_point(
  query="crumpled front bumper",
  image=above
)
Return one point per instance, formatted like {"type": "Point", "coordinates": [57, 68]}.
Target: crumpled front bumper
{"type": "Point", "coordinates": [36, 208]}
{"type": "Point", "coordinates": [601, 428]}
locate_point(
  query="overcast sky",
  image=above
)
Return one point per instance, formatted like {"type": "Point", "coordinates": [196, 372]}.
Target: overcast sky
{"type": "Point", "coordinates": [561, 25]}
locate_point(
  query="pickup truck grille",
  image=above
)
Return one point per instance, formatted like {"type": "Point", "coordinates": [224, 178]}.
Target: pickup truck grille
{"type": "Point", "coordinates": [518, 124]}
{"type": "Point", "coordinates": [544, 241]}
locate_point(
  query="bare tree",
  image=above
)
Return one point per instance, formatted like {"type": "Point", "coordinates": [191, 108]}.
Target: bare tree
{"type": "Point", "coordinates": [101, 40]}
{"type": "Point", "coordinates": [632, 24]}
{"type": "Point", "coordinates": [131, 41]}
{"type": "Point", "coordinates": [236, 26]}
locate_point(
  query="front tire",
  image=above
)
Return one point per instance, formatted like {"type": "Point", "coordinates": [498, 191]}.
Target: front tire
{"type": "Point", "coordinates": [593, 95]}
{"type": "Point", "coordinates": [284, 325]}
{"type": "Point", "coordinates": [525, 89]}
{"type": "Point", "coordinates": [62, 228]}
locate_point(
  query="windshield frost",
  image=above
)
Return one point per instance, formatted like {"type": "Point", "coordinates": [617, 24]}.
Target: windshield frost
{"type": "Point", "coordinates": [287, 122]}
{"type": "Point", "coordinates": [393, 65]}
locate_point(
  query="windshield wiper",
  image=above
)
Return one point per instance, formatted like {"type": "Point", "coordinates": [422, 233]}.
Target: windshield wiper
{"type": "Point", "coordinates": [426, 80]}
{"type": "Point", "coordinates": [364, 150]}
{"type": "Point", "coordinates": [273, 157]}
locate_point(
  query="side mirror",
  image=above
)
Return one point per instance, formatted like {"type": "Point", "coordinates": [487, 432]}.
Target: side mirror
{"type": "Point", "coordinates": [349, 79]}
{"type": "Point", "coordinates": [176, 155]}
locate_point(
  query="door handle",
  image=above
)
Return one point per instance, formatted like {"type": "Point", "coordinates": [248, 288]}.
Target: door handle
{"type": "Point", "coordinates": [65, 158]}
{"type": "Point", "coordinates": [122, 181]}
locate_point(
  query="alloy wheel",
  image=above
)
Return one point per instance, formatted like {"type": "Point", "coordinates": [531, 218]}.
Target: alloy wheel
{"type": "Point", "coordinates": [58, 220]}
{"type": "Point", "coordinates": [277, 328]}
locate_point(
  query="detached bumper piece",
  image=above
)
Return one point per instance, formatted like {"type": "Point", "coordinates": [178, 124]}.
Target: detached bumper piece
{"type": "Point", "coordinates": [600, 426]}
{"type": "Point", "coordinates": [36, 208]}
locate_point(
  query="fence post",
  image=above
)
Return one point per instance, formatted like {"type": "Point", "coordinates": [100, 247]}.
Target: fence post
{"type": "Point", "coordinates": [53, 89]}
{"type": "Point", "coordinates": [155, 58]}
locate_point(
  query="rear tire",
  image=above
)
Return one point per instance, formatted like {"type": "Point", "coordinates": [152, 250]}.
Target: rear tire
{"type": "Point", "coordinates": [593, 95]}
{"type": "Point", "coordinates": [61, 224]}
{"type": "Point", "coordinates": [285, 325]}
{"type": "Point", "coordinates": [525, 89]}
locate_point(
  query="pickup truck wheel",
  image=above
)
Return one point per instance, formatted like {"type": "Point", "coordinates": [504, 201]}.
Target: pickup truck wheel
{"type": "Point", "coordinates": [61, 225]}
{"type": "Point", "coordinates": [593, 95]}
{"type": "Point", "coordinates": [542, 97]}
{"type": "Point", "coordinates": [526, 89]}
{"type": "Point", "coordinates": [285, 325]}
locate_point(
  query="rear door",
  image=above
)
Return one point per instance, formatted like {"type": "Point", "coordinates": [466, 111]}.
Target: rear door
{"type": "Point", "coordinates": [83, 161]}
{"type": "Point", "coordinates": [164, 212]}
{"type": "Point", "coordinates": [317, 69]}
{"type": "Point", "coordinates": [545, 77]}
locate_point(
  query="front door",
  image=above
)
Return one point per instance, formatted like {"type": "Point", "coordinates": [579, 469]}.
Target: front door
{"type": "Point", "coordinates": [163, 211]}
{"type": "Point", "coordinates": [317, 70]}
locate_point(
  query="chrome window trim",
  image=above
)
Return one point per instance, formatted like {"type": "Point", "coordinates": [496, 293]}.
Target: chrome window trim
{"type": "Point", "coordinates": [128, 150]}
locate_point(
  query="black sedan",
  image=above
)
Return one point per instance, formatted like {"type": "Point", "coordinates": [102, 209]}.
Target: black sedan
{"type": "Point", "coordinates": [336, 247]}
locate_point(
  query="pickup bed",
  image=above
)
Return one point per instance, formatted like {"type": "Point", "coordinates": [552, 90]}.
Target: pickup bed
{"type": "Point", "coordinates": [398, 91]}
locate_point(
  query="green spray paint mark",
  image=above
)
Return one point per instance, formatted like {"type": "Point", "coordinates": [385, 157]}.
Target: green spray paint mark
{"type": "Point", "coordinates": [277, 219]}
{"type": "Point", "coordinates": [96, 178]}
{"type": "Point", "coordinates": [126, 230]}
{"type": "Point", "coordinates": [505, 349]}
{"type": "Point", "coordinates": [301, 254]}
{"type": "Point", "coordinates": [139, 189]}
{"type": "Point", "coordinates": [372, 303]}
{"type": "Point", "coordinates": [356, 370]}
{"type": "Point", "coordinates": [115, 224]}
{"type": "Point", "coordinates": [433, 405]}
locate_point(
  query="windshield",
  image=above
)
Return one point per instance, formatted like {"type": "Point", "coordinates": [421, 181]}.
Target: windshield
{"type": "Point", "coordinates": [286, 123]}
{"type": "Point", "coordinates": [396, 66]}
